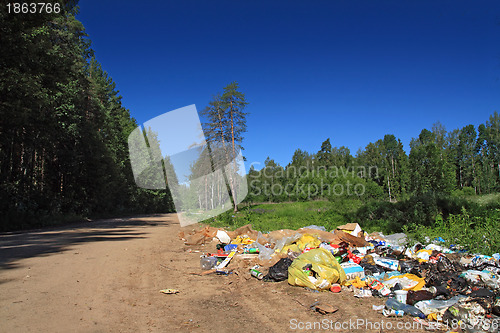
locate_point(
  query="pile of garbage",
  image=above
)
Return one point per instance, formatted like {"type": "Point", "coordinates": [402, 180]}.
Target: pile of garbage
{"type": "Point", "coordinates": [442, 288]}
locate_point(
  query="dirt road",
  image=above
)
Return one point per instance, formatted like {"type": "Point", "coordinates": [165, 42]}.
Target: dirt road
{"type": "Point", "coordinates": [105, 276]}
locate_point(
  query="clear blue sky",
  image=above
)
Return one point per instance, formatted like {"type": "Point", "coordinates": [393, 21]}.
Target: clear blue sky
{"type": "Point", "coordinates": [351, 71]}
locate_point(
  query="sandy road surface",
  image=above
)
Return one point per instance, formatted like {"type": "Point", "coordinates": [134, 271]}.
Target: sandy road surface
{"type": "Point", "coordinates": [105, 276]}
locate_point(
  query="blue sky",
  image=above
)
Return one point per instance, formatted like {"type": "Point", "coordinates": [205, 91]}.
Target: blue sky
{"type": "Point", "coordinates": [351, 71]}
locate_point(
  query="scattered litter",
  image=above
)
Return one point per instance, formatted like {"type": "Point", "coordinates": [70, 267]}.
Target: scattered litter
{"type": "Point", "coordinates": [433, 283]}
{"type": "Point", "coordinates": [323, 308]}
{"type": "Point", "coordinates": [393, 313]}
{"type": "Point", "coordinates": [363, 293]}
{"type": "Point", "coordinates": [170, 291]}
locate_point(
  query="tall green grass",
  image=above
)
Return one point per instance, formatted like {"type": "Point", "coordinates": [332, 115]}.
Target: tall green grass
{"type": "Point", "coordinates": [478, 234]}
{"type": "Point", "coordinates": [472, 222]}
{"type": "Point", "coordinates": [293, 215]}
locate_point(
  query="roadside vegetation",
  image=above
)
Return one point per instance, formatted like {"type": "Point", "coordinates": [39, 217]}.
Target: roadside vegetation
{"type": "Point", "coordinates": [64, 156]}
{"type": "Point", "coordinates": [472, 222]}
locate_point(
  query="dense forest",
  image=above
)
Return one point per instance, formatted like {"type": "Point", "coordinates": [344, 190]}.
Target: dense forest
{"type": "Point", "coordinates": [64, 149]}
{"type": "Point", "coordinates": [463, 161]}
{"type": "Point", "coordinates": [64, 130]}
{"type": "Point", "coordinates": [64, 138]}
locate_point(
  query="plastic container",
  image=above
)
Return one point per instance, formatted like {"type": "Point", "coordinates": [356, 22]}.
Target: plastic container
{"type": "Point", "coordinates": [401, 295]}
{"type": "Point", "coordinates": [335, 288]}
{"type": "Point", "coordinates": [393, 304]}
{"type": "Point", "coordinates": [207, 263]}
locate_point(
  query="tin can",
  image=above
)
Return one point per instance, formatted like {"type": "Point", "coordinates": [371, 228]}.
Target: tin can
{"type": "Point", "coordinates": [256, 273]}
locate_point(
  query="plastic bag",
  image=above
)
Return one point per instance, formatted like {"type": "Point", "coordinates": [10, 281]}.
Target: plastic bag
{"type": "Point", "coordinates": [407, 281]}
{"type": "Point", "coordinates": [372, 270]}
{"type": "Point", "coordinates": [223, 236]}
{"type": "Point", "coordinates": [309, 241]}
{"type": "Point", "coordinates": [486, 277]}
{"type": "Point", "coordinates": [396, 239]}
{"type": "Point", "coordinates": [279, 272]}
{"type": "Point", "coordinates": [313, 226]}
{"type": "Point", "coordinates": [292, 247]}
{"type": "Point", "coordinates": [281, 243]}
{"type": "Point", "coordinates": [265, 253]}
{"type": "Point", "coordinates": [417, 296]}
{"type": "Point", "coordinates": [434, 305]}
{"type": "Point", "coordinates": [423, 255]}
{"type": "Point", "coordinates": [406, 266]}
{"type": "Point", "coordinates": [322, 265]}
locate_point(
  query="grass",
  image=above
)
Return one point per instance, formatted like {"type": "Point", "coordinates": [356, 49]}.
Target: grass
{"type": "Point", "coordinates": [478, 234]}
{"type": "Point", "coordinates": [292, 215]}
{"type": "Point", "coordinates": [485, 199]}
{"type": "Point", "coordinates": [476, 230]}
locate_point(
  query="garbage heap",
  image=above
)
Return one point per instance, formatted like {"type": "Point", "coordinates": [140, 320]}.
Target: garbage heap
{"type": "Point", "coordinates": [442, 288]}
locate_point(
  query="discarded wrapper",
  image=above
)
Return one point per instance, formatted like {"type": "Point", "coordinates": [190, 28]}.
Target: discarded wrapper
{"type": "Point", "coordinates": [169, 291]}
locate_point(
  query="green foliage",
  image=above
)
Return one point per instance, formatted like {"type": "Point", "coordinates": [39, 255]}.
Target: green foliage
{"type": "Point", "coordinates": [418, 210]}
{"type": "Point", "coordinates": [63, 135]}
{"type": "Point", "coordinates": [224, 128]}
{"type": "Point", "coordinates": [478, 234]}
{"type": "Point", "coordinates": [429, 165]}
{"type": "Point", "coordinates": [290, 215]}
{"type": "Point", "coordinates": [491, 200]}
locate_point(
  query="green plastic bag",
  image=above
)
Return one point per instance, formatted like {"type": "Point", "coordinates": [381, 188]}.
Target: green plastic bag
{"type": "Point", "coordinates": [324, 267]}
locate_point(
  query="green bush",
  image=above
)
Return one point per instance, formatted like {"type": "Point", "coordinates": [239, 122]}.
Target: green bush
{"type": "Point", "coordinates": [479, 234]}
{"type": "Point", "coordinates": [420, 210]}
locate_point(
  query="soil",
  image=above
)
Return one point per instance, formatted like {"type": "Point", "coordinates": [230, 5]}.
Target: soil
{"type": "Point", "coordinates": [106, 276]}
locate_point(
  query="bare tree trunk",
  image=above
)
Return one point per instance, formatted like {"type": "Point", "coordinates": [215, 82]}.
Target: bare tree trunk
{"type": "Point", "coordinates": [231, 185]}
{"type": "Point", "coordinates": [389, 187]}
{"type": "Point", "coordinates": [474, 181]}
{"type": "Point", "coordinates": [206, 193]}
{"type": "Point", "coordinates": [234, 157]}
{"type": "Point", "coordinates": [460, 175]}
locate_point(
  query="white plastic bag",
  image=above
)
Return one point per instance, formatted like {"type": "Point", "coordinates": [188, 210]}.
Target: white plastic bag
{"type": "Point", "coordinates": [223, 236]}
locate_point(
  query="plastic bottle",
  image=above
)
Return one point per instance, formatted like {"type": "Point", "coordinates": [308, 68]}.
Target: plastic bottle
{"type": "Point", "coordinates": [208, 262]}
{"type": "Point", "coordinates": [391, 303]}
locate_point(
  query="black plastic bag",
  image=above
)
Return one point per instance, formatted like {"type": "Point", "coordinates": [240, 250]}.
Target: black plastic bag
{"type": "Point", "coordinates": [279, 272]}
{"type": "Point", "coordinates": [417, 296]}
{"type": "Point", "coordinates": [371, 270]}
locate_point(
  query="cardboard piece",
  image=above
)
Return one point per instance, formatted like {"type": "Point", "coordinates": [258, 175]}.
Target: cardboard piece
{"type": "Point", "coordinates": [351, 228]}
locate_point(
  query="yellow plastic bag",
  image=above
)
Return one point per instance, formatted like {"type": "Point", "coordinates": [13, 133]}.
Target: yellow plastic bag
{"type": "Point", "coordinates": [407, 281]}
{"type": "Point", "coordinates": [243, 240]}
{"type": "Point", "coordinates": [308, 240]}
{"type": "Point", "coordinates": [423, 255]}
{"type": "Point", "coordinates": [323, 265]}
{"type": "Point", "coordinates": [291, 247]}
{"type": "Point", "coordinates": [358, 283]}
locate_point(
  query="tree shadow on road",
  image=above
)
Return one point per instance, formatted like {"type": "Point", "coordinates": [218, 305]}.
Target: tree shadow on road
{"type": "Point", "coordinates": [15, 246]}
